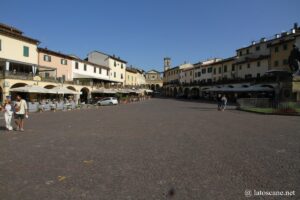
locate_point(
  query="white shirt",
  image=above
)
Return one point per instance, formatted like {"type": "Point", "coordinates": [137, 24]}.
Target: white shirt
{"type": "Point", "coordinates": [23, 107]}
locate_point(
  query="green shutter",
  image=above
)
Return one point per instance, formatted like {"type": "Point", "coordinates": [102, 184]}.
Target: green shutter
{"type": "Point", "coordinates": [25, 51]}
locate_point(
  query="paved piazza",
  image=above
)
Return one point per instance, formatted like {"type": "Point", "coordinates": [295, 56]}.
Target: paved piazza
{"type": "Point", "coordinates": [156, 149]}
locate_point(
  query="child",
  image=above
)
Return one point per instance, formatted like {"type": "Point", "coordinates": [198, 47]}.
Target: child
{"type": "Point", "coordinates": [8, 113]}
{"type": "Point", "coordinates": [224, 102]}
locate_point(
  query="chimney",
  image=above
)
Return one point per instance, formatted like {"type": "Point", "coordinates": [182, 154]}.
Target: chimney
{"type": "Point", "coordinates": [295, 25]}
{"type": "Point", "coordinates": [263, 39]}
{"type": "Point", "coordinates": [277, 36]}
{"type": "Point", "coordinates": [293, 31]}
{"type": "Point", "coordinates": [253, 42]}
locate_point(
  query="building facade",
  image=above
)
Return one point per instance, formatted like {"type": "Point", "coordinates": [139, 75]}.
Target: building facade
{"type": "Point", "coordinates": [60, 65]}
{"type": "Point", "coordinates": [154, 80]}
{"type": "Point", "coordinates": [116, 65]}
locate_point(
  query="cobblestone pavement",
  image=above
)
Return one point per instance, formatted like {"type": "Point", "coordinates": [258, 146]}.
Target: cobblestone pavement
{"type": "Point", "coordinates": [156, 149]}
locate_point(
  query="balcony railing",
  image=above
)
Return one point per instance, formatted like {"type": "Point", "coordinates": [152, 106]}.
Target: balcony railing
{"type": "Point", "coordinates": [263, 79]}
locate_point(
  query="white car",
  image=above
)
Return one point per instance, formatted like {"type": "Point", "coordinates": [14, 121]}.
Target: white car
{"type": "Point", "coordinates": [108, 101]}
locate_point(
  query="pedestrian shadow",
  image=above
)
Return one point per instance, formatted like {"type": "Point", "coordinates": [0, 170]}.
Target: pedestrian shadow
{"type": "Point", "coordinates": [2, 128]}
{"type": "Point", "coordinates": [208, 109]}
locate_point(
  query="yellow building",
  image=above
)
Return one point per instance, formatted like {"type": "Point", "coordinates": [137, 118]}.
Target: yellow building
{"type": "Point", "coordinates": [280, 51]}
{"type": "Point", "coordinates": [19, 65]}
{"type": "Point", "coordinates": [130, 77]}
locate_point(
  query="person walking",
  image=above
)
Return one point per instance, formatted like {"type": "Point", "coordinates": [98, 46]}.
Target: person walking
{"type": "Point", "coordinates": [224, 102]}
{"type": "Point", "coordinates": [21, 111]}
{"type": "Point", "coordinates": [8, 113]}
{"type": "Point", "coordinates": [219, 101]}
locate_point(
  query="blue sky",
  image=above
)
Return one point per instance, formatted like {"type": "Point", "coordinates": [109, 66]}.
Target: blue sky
{"type": "Point", "coordinates": [144, 31]}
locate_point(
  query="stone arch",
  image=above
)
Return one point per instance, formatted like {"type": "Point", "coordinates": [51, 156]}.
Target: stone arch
{"type": "Point", "coordinates": [84, 96]}
{"type": "Point", "coordinates": [157, 86]}
{"type": "Point", "coordinates": [195, 92]}
{"type": "Point", "coordinates": [180, 90]}
{"type": "Point", "coordinates": [49, 86]}
{"type": "Point", "coordinates": [175, 92]}
{"type": "Point", "coordinates": [14, 94]}
{"type": "Point", "coordinates": [152, 87]}
{"type": "Point", "coordinates": [16, 85]}
{"type": "Point", "coordinates": [1, 94]}
{"type": "Point", "coordinates": [71, 88]}
{"type": "Point", "coordinates": [186, 92]}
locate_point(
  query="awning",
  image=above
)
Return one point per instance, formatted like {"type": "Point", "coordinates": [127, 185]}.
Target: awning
{"type": "Point", "coordinates": [63, 90]}
{"type": "Point", "coordinates": [253, 88]}
{"type": "Point", "coordinates": [104, 91]}
{"type": "Point", "coordinates": [32, 89]}
{"type": "Point", "coordinates": [76, 75]}
{"type": "Point", "coordinates": [149, 91]}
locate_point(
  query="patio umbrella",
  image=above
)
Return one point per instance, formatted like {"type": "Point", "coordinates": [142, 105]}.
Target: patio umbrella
{"type": "Point", "coordinates": [123, 91]}
{"type": "Point", "coordinates": [104, 91]}
{"type": "Point", "coordinates": [31, 89]}
{"type": "Point", "coordinates": [149, 91]}
{"type": "Point", "coordinates": [63, 90]}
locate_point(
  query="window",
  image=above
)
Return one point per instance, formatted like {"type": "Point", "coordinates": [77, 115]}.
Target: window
{"type": "Point", "coordinates": [76, 65]}
{"type": "Point", "coordinates": [220, 70]}
{"type": "Point", "coordinates": [225, 68]}
{"type": "Point", "coordinates": [191, 73]}
{"type": "Point", "coordinates": [247, 51]}
{"type": "Point", "coordinates": [95, 69]}
{"type": "Point", "coordinates": [47, 58]}
{"type": "Point", "coordinates": [209, 70]}
{"type": "Point", "coordinates": [276, 63]}
{"type": "Point", "coordinates": [128, 77]}
{"type": "Point", "coordinates": [47, 75]}
{"type": "Point", "coordinates": [248, 65]}
{"type": "Point", "coordinates": [241, 53]}
{"type": "Point", "coordinates": [258, 64]}
{"type": "Point", "coordinates": [248, 76]}
{"type": "Point", "coordinates": [232, 67]}
{"type": "Point", "coordinates": [115, 63]}
{"type": "Point", "coordinates": [25, 51]}
{"type": "Point", "coordinates": [0, 45]}
{"type": "Point", "coordinates": [64, 62]}
{"type": "Point", "coordinates": [121, 76]}
{"type": "Point", "coordinates": [203, 71]}
{"type": "Point", "coordinates": [257, 48]}
{"type": "Point", "coordinates": [285, 62]}
{"type": "Point", "coordinates": [199, 74]}
{"type": "Point", "coordinates": [240, 67]}
{"type": "Point", "coordinates": [258, 75]}
{"type": "Point", "coordinates": [100, 70]}
{"type": "Point", "coordinates": [122, 66]}
{"type": "Point", "coordinates": [84, 67]}
{"type": "Point", "coordinates": [115, 74]}
{"type": "Point", "coordinates": [276, 49]}
{"type": "Point", "coordinates": [63, 77]}
{"type": "Point", "coordinates": [215, 70]}
{"type": "Point", "coordinates": [285, 47]}
{"type": "Point", "coordinates": [107, 73]}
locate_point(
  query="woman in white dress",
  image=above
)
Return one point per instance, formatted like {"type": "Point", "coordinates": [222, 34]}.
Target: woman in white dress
{"type": "Point", "coordinates": [8, 113]}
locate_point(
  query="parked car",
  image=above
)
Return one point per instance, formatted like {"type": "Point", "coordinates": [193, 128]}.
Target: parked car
{"type": "Point", "coordinates": [108, 101]}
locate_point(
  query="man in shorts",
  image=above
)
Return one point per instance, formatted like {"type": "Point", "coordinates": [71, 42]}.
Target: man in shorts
{"type": "Point", "coordinates": [21, 111]}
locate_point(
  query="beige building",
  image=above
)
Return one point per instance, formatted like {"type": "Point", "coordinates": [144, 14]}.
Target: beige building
{"type": "Point", "coordinates": [280, 51]}
{"type": "Point", "coordinates": [134, 77]}
{"type": "Point", "coordinates": [131, 77]}
{"type": "Point", "coordinates": [154, 79]}
{"type": "Point", "coordinates": [187, 75]}
{"type": "Point", "coordinates": [117, 66]}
